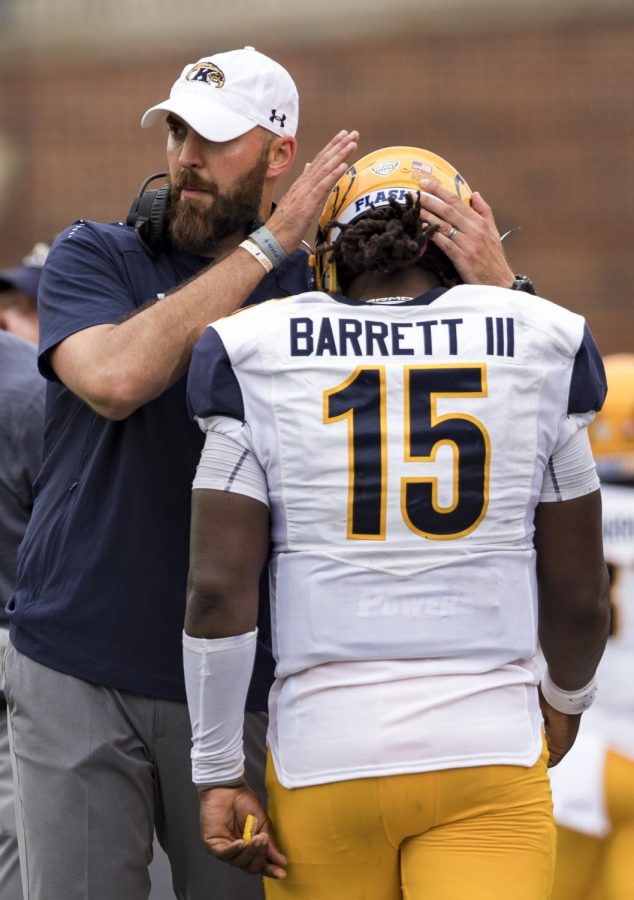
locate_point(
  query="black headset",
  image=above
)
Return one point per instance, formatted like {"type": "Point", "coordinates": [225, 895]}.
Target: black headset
{"type": "Point", "coordinates": [148, 217]}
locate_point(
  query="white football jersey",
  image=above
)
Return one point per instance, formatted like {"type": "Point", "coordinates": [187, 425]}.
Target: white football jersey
{"type": "Point", "coordinates": [578, 781]}
{"type": "Point", "coordinates": [404, 447]}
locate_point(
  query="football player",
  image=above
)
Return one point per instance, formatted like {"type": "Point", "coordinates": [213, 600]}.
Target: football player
{"type": "Point", "coordinates": [593, 790]}
{"type": "Point", "coordinates": [415, 451]}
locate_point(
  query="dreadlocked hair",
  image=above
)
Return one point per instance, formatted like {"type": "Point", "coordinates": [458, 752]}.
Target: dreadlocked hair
{"type": "Point", "coordinates": [385, 240]}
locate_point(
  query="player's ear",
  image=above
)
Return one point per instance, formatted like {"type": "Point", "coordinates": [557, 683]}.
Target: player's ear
{"type": "Point", "coordinates": [281, 155]}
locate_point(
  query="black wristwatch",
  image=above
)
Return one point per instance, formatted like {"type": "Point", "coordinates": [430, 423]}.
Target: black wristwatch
{"type": "Point", "coordinates": [523, 283]}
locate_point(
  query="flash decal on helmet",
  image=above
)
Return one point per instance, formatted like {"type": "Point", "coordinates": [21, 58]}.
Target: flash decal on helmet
{"type": "Point", "coordinates": [381, 198]}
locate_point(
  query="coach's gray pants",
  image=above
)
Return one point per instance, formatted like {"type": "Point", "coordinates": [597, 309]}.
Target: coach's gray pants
{"type": "Point", "coordinates": [96, 770]}
{"type": "Point", "coordinates": [10, 884]}
{"type": "Point", "coordinates": [10, 887]}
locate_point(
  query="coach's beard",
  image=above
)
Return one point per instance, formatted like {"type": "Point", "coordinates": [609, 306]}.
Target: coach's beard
{"type": "Point", "coordinates": [197, 229]}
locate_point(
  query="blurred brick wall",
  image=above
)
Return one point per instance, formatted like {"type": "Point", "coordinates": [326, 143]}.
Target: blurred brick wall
{"type": "Point", "coordinates": [539, 120]}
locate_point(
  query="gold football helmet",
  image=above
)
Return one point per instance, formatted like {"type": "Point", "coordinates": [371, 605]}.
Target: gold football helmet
{"type": "Point", "coordinates": [612, 431]}
{"type": "Point", "coordinates": [370, 182]}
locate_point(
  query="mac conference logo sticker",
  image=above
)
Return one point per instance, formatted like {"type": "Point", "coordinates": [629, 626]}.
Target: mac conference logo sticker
{"type": "Point", "coordinates": [385, 168]}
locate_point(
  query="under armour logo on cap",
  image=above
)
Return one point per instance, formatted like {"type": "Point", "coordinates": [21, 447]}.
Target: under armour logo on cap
{"type": "Point", "coordinates": [273, 118]}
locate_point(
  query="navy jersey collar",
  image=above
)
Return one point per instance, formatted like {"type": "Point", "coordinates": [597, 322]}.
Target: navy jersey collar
{"type": "Point", "coordinates": [422, 300]}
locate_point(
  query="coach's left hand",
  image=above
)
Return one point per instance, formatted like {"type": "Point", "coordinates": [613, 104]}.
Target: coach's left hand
{"type": "Point", "coordinates": [223, 813]}
{"type": "Point", "coordinates": [475, 248]}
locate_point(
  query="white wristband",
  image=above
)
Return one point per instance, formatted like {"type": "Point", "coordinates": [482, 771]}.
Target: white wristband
{"type": "Point", "coordinates": [255, 251]}
{"type": "Point", "coordinates": [217, 676]}
{"type": "Point", "coordinates": [570, 702]}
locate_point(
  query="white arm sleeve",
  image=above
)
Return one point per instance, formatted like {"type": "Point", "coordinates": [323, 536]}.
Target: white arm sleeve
{"type": "Point", "coordinates": [571, 471]}
{"type": "Point", "coordinates": [217, 676]}
{"type": "Point", "coordinates": [227, 462]}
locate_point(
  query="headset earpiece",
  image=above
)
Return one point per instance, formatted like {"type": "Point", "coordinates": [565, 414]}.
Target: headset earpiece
{"type": "Point", "coordinates": [147, 216]}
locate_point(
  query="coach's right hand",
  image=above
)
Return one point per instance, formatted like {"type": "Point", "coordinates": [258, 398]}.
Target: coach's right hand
{"type": "Point", "coordinates": [305, 198]}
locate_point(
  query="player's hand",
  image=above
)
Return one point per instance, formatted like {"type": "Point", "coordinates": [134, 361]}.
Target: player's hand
{"type": "Point", "coordinates": [475, 248]}
{"type": "Point", "coordinates": [561, 731]}
{"type": "Point", "coordinates": [223, 814]}
{"type": "Point", "coordinates": [306, 196]}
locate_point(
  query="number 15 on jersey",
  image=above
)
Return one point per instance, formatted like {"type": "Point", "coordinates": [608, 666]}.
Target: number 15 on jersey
{"type": "Point", "coordinates": [361, 401]}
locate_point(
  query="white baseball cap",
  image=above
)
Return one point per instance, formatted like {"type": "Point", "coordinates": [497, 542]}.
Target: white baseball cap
{"type": "Point", "coordinates": [227, 94]}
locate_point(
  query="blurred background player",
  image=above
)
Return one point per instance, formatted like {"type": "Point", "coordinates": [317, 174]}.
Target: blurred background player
{"type": "Point", "coordinates": [18, 295]}
{"type": "Point", "coordinates": [416, 450]}
{"type": "Point", "coordinates": [593, 790]}
{"type": "Point", "coordinates": [22, 391]}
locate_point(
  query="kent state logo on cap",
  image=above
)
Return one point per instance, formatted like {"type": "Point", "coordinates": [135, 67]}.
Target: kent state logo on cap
{"type": "Point", "coordinates": [224, 95]}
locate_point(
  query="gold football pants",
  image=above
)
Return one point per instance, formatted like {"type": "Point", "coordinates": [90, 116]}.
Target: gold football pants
{"type": "Point", "coordinates": [590, 868]}
{"type": "Point", "coordinates": [480, 833]}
